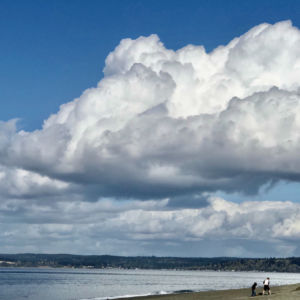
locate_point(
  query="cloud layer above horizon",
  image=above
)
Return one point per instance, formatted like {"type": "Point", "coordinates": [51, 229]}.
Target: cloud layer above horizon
{"type": "Point", "coordinates": [166, 127]}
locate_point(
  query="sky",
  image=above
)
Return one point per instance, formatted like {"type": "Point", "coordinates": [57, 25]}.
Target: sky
{"type": "Point", "coordinates": [164, 128]}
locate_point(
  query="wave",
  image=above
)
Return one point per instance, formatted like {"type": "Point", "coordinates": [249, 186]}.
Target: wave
{"type": "Point", "coordinates": [118, 297]}
{"type": "Point", "coordinates": [143, 295]}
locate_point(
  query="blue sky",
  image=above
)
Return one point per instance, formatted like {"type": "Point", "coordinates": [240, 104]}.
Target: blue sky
{"type": "Point", "coordinates": [161, 143]}
{"type": "Point", "coordinates": [53, 50]}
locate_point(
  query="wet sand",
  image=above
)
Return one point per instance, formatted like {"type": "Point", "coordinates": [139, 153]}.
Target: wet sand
{"type": "Point", "coordinates": [284, 292]}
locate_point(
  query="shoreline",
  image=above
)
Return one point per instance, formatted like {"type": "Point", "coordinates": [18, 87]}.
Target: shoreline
{"type": "Point", "coordinates": [281, 292]}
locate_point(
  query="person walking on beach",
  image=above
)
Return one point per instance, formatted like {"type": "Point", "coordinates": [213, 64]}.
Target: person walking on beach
{"type": "Point", "coordinates": [267, 286]}
{"type": "Point", "coordinates": [253, 289]}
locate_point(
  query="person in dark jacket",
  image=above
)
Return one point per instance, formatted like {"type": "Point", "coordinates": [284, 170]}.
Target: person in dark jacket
{"type": "Point", "coordinates": [253, 289]}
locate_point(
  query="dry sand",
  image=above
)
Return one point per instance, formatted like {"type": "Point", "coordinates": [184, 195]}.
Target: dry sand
{"type": "Point", "coordinates": [285, 292]}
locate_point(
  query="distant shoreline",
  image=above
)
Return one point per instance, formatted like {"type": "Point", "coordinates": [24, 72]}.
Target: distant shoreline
{"type": "Point", "coordinates": [285, 265]}
{"type": "Point", "coordinates": [282, 292]}
{"type": "Point", "coordinates": [141, 269]}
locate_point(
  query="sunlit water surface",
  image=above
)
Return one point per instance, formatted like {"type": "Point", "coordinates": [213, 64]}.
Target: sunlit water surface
{"type": "Point", "coordinates": [77, 284]}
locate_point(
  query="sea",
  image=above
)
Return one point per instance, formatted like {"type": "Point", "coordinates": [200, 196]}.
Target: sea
{"type": "Point", "coordinates": [98, 284]}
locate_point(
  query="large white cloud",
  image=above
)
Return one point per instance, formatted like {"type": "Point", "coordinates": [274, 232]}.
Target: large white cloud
{"type": "Point", "coordinates": [165, 122]}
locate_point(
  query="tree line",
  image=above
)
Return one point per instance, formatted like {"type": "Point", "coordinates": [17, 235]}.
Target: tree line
{"type": "Point", "coordinates": [291, 264]}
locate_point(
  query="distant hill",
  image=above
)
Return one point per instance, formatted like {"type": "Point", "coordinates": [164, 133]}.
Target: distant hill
{"type": "Point", "coordinates": [291, 264]}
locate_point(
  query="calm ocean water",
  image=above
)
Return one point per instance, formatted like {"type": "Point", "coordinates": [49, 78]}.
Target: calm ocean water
{"type": "Point", "coordinates": [77, 284]}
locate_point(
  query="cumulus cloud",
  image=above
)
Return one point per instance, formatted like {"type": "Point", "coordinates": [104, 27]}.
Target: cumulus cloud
{"type": "Point", "coordinates": [164, 122]}
{"type": "Point", "coordinates": [220, 219]}
{"type": "Point", "coordinates": [139, 227]}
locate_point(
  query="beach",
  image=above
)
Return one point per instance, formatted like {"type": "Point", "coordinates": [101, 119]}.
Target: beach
{"type": "Point", "coordinates": [284, 292]}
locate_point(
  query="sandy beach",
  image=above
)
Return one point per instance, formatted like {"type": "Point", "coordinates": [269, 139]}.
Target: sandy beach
{"type": "Point", "coordinates": [285, 292]}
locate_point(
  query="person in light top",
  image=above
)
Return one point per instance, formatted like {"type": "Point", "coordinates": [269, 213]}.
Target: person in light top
{"type": "Point", "coordinates": [267, 286]}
